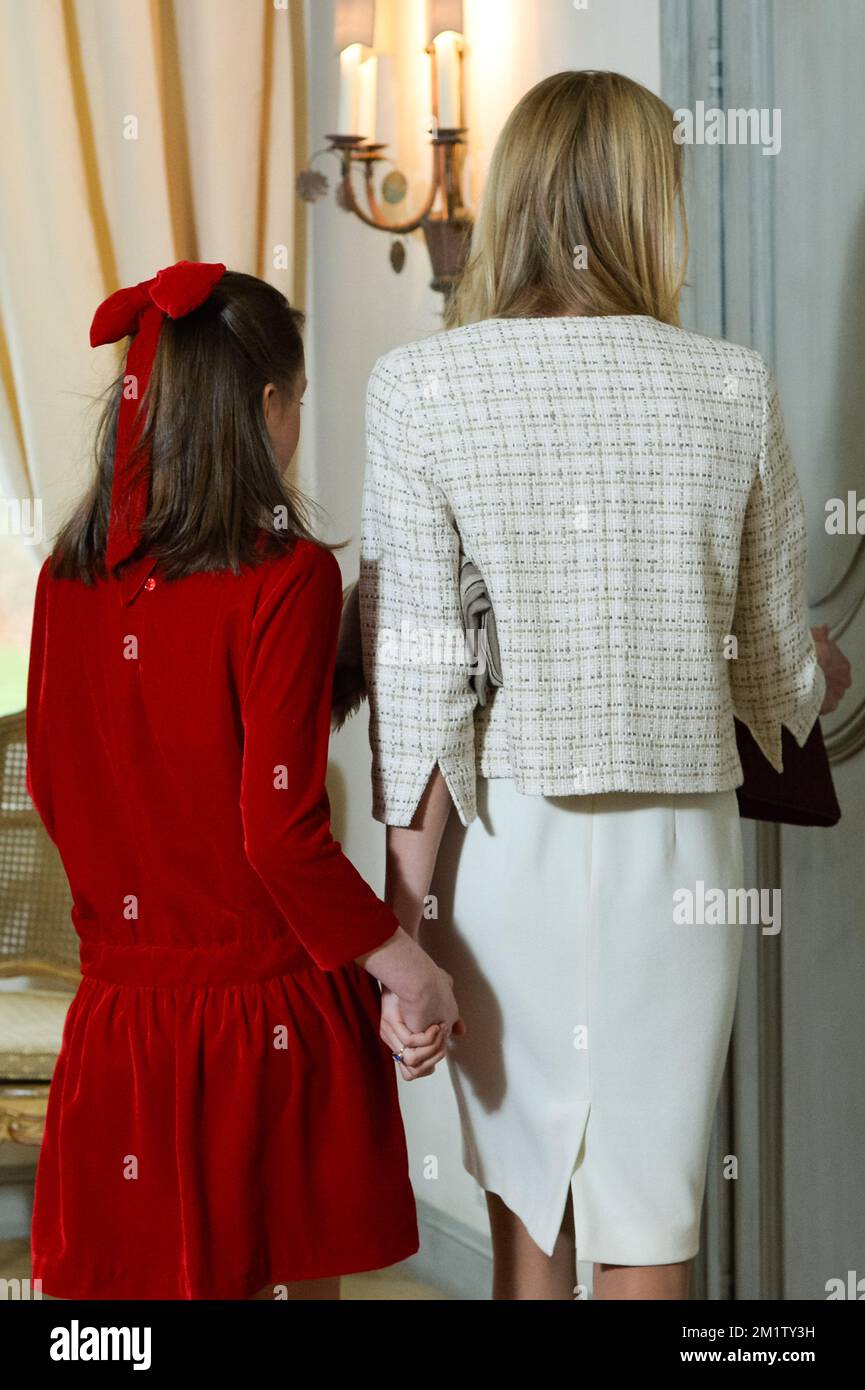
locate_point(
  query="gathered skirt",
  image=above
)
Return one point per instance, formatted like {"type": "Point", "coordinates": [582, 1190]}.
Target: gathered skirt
{"type": "Point", "coordinates": [216, 1123]}
{"type": "Point", "coordinates": [597, 1024]}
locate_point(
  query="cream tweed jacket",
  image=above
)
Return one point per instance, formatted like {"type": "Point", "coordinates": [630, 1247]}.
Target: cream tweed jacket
{"type": "Point", "coordinates": [625, 489]}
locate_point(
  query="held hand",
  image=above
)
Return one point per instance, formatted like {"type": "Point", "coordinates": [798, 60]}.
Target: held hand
{"type": "Point", "coordinates": [835, 667]}
{"type": "Point", "coordinates": [432, 1002]}
{"type": "Point", "coordinates": [419, 1011]}
{"type": "Point", "coordinates": [420, 1052]}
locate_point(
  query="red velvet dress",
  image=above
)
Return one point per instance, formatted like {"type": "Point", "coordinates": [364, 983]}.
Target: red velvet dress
{"type": "Point", "coordinates": [223, 1114]}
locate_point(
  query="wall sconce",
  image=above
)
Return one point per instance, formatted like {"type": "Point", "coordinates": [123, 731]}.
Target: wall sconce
{"type": "Point", "coordinates": [445, 222]}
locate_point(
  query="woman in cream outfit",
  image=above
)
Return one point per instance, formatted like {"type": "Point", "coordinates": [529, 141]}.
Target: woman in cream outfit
{"type": "Point", "coordinates": [625, 490]}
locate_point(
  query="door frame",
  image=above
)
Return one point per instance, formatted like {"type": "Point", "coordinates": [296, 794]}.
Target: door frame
{"type": "Point", "coordinates": [708, 47]}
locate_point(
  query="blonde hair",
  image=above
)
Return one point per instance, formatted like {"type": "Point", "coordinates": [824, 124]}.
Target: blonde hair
{"type": "Point", "coordinates": [586, 159]}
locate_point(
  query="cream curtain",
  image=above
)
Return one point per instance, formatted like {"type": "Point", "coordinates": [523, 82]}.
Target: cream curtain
{"type": "Point", "coordinates": [136, 132]}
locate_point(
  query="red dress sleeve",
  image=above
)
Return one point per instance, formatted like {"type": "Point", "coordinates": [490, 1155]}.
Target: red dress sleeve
{"type": "Point", "coordinates": [286, 718]}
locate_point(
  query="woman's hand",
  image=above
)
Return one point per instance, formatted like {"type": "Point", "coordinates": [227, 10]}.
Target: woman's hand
{"type": "Point", "coordinates": [419, 1011]}
{"type": "Point", "coordinates": [835, 667]}
{"type": "Point", "coordinates": [420, 1051]}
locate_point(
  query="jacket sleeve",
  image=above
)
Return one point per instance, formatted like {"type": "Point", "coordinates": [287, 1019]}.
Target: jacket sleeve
{"type": "Point", "coordinates": [775, 677]}
{"type": "Point", "coordinates": [286, 719]}
{"type": "Point", "coordinates": [414, 650]}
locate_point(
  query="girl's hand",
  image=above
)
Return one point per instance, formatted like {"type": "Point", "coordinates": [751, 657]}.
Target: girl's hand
{"type": "Point", "coordinates": [421, 1052]}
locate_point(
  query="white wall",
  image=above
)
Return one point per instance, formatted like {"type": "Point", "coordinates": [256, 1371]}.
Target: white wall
{"type": "Point", "coordinates": [358, 309]}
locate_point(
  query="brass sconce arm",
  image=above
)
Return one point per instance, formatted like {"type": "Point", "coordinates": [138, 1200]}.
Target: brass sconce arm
{"type": "Point", "coordinates": [447, 231]}
{"type": "Point", "coordinates": [352, 150]}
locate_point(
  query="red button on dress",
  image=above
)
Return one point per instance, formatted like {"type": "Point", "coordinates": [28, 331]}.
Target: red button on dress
{"type": "Point", "coordinates": [223, 1114]}
{"type": "Point", "coordinates": [150, 583]}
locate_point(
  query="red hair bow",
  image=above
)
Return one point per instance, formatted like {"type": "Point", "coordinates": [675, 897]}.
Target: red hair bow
{"type": "Point", "coordinates": [138, 312]}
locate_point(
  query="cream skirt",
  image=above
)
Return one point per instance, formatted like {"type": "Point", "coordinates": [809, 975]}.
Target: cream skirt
{"type": "Point", "coordinates": [597, 1026]}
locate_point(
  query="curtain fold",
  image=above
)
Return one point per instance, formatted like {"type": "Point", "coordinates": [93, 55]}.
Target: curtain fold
{"type": "Point", "coordinates": [138, 133]}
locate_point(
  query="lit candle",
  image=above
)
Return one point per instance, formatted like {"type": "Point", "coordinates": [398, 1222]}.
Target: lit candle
{"type": "Point", "coordinates": [447, 47]}
{"type": "Point", "coordinates": [368, 89]}
{"type": "Point", "coordinates": [349, 89]}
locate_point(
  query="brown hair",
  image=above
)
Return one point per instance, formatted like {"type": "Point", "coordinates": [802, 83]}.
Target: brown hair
{"type": "Point", "coordinates": [585, 159]}
{"type": "Point", "coordinates": [215, 485]}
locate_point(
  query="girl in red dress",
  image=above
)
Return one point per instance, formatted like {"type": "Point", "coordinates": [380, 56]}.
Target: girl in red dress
{"type": "Point", "coordinates": [223, 1115]}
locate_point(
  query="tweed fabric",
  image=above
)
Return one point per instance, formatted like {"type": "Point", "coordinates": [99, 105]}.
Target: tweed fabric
{"type": "Point", "coordinates": [626, 491]}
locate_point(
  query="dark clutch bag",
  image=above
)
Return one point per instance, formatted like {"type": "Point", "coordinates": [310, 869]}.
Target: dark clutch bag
{"type": "Point", "coordinates": [803, 794]}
